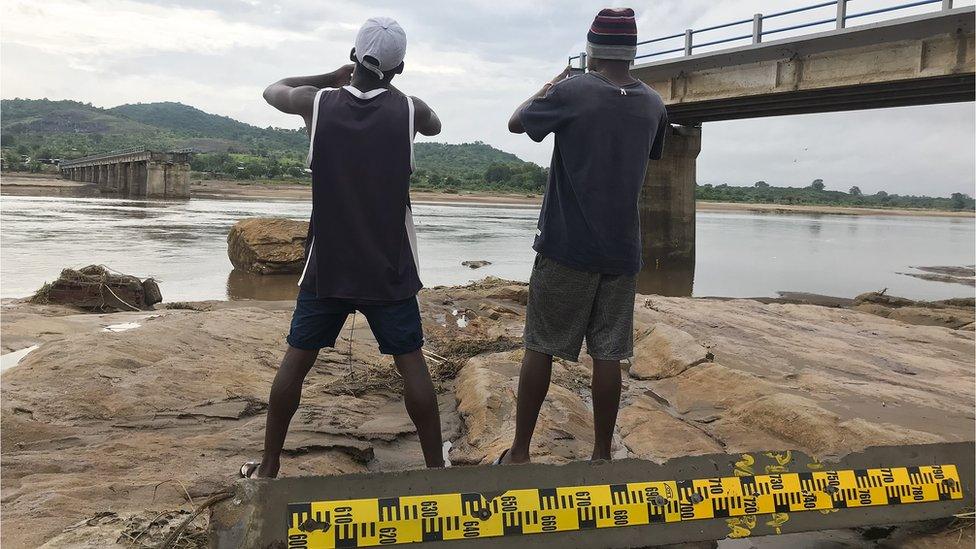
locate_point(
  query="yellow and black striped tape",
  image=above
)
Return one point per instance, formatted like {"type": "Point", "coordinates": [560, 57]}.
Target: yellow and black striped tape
{"type": "Point", "coordinates": [410, 519]}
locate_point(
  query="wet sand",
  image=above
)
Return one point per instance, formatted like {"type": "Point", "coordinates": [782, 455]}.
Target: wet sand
{"type": "Point", "coordinates": [46, 185]}
{"type": "Point", "coordinates": [104, 430]}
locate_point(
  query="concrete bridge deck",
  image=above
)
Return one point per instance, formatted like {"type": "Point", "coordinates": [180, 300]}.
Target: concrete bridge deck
{"type": "Point", "coordinates": [134, 173]}
{"type": "Point", "coordinates": [919, 60]}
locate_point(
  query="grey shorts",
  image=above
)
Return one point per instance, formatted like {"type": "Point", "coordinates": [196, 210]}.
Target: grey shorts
{"type": "Point", "coordinates": [566, 304]}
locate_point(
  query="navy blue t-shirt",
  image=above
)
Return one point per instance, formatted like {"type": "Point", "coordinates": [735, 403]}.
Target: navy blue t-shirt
{"type": "Point", "coordinates": [605, 135]}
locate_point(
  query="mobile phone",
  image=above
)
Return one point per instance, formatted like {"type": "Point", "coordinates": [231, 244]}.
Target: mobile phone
{"type": "Point", "coordinates": [574, 71]}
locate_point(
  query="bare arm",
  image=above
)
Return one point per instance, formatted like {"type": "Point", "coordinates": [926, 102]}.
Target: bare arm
{"type": "Point", "coordinates": [296, 94]}
{"type": "Point", "coordinates": [515, 122]}
{"type": "Point", "coordinates": [425, 119]}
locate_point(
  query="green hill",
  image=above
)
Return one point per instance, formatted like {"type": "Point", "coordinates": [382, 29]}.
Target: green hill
{"type": "Point", "coordinates": [41, 128]}
{"type": "Point", "coordinates": [193, 123]}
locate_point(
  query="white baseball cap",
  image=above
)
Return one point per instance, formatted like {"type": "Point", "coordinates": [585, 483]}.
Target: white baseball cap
{"type": "Point", "coordinates": [383, 40]}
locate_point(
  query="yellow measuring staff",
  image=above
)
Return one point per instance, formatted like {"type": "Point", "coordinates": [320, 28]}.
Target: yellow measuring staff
{"type": "Point", "coordinates": [411, 519]}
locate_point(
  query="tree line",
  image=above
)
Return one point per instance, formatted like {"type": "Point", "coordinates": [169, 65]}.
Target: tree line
{"type": "Point", "coordinates": [816, 194]}
{"type": "Point", "coordinates": [498, 176]}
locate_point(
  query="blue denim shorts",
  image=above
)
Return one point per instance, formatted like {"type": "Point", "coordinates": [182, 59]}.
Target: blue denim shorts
{"type": "Point", "coordinates": [317, 321]}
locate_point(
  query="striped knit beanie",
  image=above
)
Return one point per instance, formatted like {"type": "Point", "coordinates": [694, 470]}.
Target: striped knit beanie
{"type": "Point", "coordinates": [613, 35]}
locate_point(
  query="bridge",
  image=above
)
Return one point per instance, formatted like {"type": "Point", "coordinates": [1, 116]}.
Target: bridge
{"type": "Point", "coordinates": [918, 59]}
{"type": "Point", "coordinates": [134, 173]}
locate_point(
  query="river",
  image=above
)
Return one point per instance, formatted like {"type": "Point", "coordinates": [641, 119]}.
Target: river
{"type": "Point", "coordinates": [183, 245]}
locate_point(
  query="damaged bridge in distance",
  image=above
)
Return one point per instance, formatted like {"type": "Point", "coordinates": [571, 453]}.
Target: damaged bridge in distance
{"type": "Point", "coordinates": [134, 173]}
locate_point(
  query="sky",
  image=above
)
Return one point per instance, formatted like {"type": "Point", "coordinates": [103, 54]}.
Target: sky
{"type": "Point", "coordinates": [473, 61]}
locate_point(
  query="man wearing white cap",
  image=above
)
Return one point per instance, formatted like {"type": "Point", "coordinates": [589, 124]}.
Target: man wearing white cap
{"type": "Point", "coordinates": [361, 251]}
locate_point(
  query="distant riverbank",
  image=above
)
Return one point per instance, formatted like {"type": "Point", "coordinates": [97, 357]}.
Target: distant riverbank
{"type": "Point", "coordinates": [46, 185]}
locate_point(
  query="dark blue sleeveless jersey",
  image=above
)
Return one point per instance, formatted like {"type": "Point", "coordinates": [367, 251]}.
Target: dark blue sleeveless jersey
{"type": "Point", "coordinates": [362, 245]}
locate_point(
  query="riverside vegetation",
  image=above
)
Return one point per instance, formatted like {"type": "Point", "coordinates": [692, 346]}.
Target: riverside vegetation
{"type": "Point", "coordinates": [34, 132]}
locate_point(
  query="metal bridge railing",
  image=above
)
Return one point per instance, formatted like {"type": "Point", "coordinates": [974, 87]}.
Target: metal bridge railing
{"type": "Point", "coordinates": [90, 157]}
{"type": "Point", "coordinates": [121, 152]}
{"type": "Point", "coordinates": [840, 19]}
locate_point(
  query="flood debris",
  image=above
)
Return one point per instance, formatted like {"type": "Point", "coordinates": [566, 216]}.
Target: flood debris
{"type": "Point", "coordinates": [100, 289]}
{"type": "Point", "coordinates": [146, 529]}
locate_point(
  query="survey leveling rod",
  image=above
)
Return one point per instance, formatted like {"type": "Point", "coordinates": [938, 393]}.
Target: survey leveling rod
{"type": "Point", "coordinates": [739, 499]}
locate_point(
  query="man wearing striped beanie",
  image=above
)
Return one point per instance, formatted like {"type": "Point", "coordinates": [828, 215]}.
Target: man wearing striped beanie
{"type": "Point", "coordinates": [607, 125]}
{"type": "Point", "coordinates": [613, 35]}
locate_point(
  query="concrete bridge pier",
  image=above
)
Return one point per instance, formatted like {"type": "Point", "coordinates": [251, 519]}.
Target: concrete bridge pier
{"type": "Point", "coordinates": [177, 179]}
{"type": "Point", "coordinates": [667, 216]}
{"type": "Point", "coordinates": [137, 187]}
{"type": "Point", "coordinates": [124, 179]}
{"type": "Point", "coordinates": [112, 177]}
{"type": "Point", "coordinates": [156, 179]}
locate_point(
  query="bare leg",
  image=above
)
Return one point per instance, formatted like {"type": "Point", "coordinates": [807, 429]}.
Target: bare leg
{"type": "Point", "coordinates": [421, 404]}
{"type": "Point", "coordinates": [286, 392]}
{"type": "Point", "coordinates": [532, 389]}
{"type": "Point", "coordinates": [605, 388]}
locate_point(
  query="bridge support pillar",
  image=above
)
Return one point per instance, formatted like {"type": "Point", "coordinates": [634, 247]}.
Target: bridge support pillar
{"type": "Point", "coordinates": [112, 177]}
{"type": "Point", "coordinates": [667, 216]}
{"type": "Point", "coordinates": [140, 183]}
{"type": "Point", "coordinates": [123, 178]}
{"type": "Point", "coordinates": [155, 179]}
{"type": "Point", "coordinates": [177, 180]}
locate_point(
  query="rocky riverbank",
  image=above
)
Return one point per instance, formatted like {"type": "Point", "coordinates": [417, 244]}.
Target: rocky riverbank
{"type": "Point", "coordinates": [117, 424]}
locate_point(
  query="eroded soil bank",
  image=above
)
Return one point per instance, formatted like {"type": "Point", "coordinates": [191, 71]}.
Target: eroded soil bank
{"type": "Point", "coordinates": [107, 435]}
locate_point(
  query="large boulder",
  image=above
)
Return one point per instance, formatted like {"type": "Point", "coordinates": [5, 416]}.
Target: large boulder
{"type": "Point", "coordinates": [268, 245]}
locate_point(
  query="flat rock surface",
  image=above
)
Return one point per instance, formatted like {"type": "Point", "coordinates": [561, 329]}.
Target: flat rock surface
{"type": "Point", "coordinates": [665, 351]}
{"type": "Point", "coordinates": [104, 430]}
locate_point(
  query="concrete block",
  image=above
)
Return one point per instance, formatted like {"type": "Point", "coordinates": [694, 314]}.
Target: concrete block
{"type": "Point", "coordinates": [256, 515]}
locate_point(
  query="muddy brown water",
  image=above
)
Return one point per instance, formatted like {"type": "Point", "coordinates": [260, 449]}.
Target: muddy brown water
{"type": "Point", "coordinates": [740, 254]}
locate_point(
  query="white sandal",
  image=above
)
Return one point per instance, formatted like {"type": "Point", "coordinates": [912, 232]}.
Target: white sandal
{"type": "Point", "coordinates": [249, 469]}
